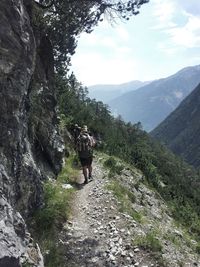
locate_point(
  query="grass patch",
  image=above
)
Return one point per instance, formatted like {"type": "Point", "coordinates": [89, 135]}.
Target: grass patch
{"type": "Point", "coordinates": [56, 208]}
{"type": "Point", "coordinates": [125, 198]}
{"type": "Point", "coordinates": [54, 254]}
{"type": "Point", "coordinates": [70, 170]}
{"type": "Point", "coordinates": [48, 220]}
{"type": "Point", "coordinates": [113, 165]}
{"type": "Point", "coordinates": [177, 241]}
{"type": "Point", "coordinates": [149, 241]}
{"type": "Point", "coordinates": [197, 249]}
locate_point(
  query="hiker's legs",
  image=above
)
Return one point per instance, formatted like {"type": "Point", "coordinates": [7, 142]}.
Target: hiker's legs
{"type": "Point", "coordinates": [84, 169]}
{"type": "Point", "coordinates": [85, 172]}
{"type": "Point", "coordinates": [90, 167]}
{"type": "Point", "coordinates": [90, 170]}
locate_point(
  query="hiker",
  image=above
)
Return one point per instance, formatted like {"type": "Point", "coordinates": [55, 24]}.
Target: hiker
{"type": "Point", "coordinates": [85, 144]}
{"type": "Point", "coordinates": [76, 133]}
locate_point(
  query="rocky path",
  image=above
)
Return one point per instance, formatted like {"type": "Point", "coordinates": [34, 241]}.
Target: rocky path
{"type": "Point", "coordinates": [97, 234]}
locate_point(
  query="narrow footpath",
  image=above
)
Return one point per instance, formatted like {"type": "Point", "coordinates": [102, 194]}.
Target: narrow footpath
{"type": "Point", "coordinates": [97, 234]}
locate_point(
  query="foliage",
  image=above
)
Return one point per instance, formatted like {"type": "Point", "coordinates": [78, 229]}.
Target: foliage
{"type": "Point", "coordinates": [56, 208]}
{"type": "Point", "coordinates": [125, 198]}
{"type": "Point", "coordinates": [113, 165]}
{"type": "Point", "coordinates": [54, 256]}
{"type": "Point", "coordinates": [69, 172]}
{"type": "Point", "coordinates": [48, 220]}
{"type": "Point", "coordinates": [149, 241]}
{"type": "Point", "coordinates": [198, 248]}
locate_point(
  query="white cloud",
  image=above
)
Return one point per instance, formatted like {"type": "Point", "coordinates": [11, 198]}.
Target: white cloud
{"type": "Point", "coordinates": [126, 52]}
{"type": "Point", "coordinates": [164, 10]}
{"type": "Point", "coordinates": [168, 49]}
{"type": "Point", "coordinates": [107, 42]}
{"type": "Point", "coordinates": [93, 68]}
{"type": "Point", "coordinates": [122, 33]}
{"type": "Point", "coordinates": [187, 35]}
{"type": "Point", "coordinates": [191, 7]}
{"type": "Point", "coordinates": [105, 37]}
{"type": "Point", "coordinates": [175, 20]}
{"type": "Point", "coordinates": [88, 39]}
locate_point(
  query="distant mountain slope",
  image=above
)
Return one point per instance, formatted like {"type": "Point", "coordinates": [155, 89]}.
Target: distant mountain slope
{"type": "Point", "coordinates": [180, 131]}
{"type": "Point", "coordinates": [154, 102]}
{"type": "Point", "coordinates": [107, 92]}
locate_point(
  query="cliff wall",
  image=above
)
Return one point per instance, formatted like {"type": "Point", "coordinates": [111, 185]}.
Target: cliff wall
{"type": "Point", "coordinates": [31, 149]}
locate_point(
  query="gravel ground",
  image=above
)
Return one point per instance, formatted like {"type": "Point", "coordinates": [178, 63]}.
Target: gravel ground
{"type": "Point", "coordinates": [97, 234]}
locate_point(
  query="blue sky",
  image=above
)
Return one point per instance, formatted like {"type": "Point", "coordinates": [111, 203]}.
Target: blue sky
{"type": "Point", "coordinates": [162, 39]}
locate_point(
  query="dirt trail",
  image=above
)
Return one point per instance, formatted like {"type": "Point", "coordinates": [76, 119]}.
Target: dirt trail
{"type": "Point", "coordinates": [97, 234]}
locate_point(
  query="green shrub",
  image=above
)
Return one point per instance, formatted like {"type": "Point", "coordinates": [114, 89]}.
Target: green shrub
{"type": "Point", "coordinates": [121, 192]}
{"type": "Point", "coordinates": [56, 209]}
{"type": "Point", "coordinates": [48, 220]}
{"type": "Point", "coordinates": [126, 198]}
{"type": "Point", "coordinates": [198, 248]}
{"type": "Point", "coordinates": [149, 241]}
{"type": "Point", "coordinates": [69, 172]}
{"type": "Point", "coordinates": [136, 216]}
{"type": "Point", "coordinates": [54, 257]}
{"type": "Point", "coordinates": [112, 164]}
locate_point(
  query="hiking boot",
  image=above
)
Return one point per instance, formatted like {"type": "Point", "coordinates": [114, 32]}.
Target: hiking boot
{"type": "Point", "coordinates": [90, 178]}
{"type": "Point", "coordinates": [86, 181]}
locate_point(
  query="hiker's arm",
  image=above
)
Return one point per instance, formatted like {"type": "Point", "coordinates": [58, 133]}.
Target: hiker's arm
{"type": "Point", "coordinates": [92, 140]}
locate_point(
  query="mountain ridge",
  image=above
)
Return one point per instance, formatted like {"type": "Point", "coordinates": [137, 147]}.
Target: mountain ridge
{"type": "Point", "coordinates": [153, 102]}
{"type": "Point", "coordinates": [106, 92]}
{"type": "Point", "coordinates": [180, 130]}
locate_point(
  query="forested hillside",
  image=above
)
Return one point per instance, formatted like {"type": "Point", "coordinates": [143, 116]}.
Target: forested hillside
{"type": "Point", "coordinates": [180, 130]}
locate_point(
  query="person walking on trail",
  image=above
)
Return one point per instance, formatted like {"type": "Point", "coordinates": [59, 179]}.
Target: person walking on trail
{"type": "Point", "coordinates": [76, 132]}
{"type": "Point", "coordinates": [85, 144]}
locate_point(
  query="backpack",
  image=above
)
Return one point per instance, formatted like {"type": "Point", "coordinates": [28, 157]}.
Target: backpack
{"type": "Point", "coordinates": [84, 145]}
{"type": "Point", "coordinates": [76, 133]}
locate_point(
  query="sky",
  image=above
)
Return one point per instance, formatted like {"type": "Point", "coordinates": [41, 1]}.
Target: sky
{"type": "Point", "coordinates": [161, 40]}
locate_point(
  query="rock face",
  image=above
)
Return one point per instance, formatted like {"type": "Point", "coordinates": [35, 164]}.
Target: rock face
{"type": "Point", "coordinates": [15, 242]}
{"type": "Point", "coordinates": [30, 146]}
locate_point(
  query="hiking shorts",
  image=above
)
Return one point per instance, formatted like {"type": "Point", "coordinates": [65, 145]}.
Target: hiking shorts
{"type": "Point", "coordinates": [86, 161]}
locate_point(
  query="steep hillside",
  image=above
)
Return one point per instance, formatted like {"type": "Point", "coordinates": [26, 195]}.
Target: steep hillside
{"type": "Point", "coordinates": [117, 220]}
{"type": "Point", "coordinates": [107, 92]}
{"type": "Point", "coordinates": [180, 130]}
{"type": "Point", "coordinates": [152, 103]}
